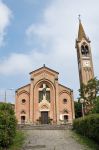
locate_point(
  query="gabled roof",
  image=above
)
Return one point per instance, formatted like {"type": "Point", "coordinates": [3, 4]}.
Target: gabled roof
{"type": "Point", "coordinates": [22, 87]}
{"type": "Point", "coordinates": [66, 87]}
{"type": "Point", "coordinates": [44, 67]}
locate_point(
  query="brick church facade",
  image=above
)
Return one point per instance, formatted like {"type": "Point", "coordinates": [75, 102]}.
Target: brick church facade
{"type": "Point", "coordinates": [44, 100]}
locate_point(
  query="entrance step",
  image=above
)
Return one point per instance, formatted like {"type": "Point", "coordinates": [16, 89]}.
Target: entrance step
{"type": "Point", "coordinates": [44, 127]}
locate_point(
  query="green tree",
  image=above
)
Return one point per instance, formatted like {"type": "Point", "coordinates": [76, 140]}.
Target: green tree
{"type": "Point", "coordinates": [95, 109]}
{"type": "Point", "coordinates": [78, 109]}
{"type": "Point", "coordinates": [89, 93]}
{"type": "Point", "coordinates": [8, 125]}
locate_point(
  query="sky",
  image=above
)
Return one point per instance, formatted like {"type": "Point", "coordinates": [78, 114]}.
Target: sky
{"type": "Point", "coordinates": [37, 32]}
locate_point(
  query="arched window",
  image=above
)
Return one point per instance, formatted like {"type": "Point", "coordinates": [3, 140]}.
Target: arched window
{"type": "Point", "coordinates": [44, 93]}
{"type": "Point", "coordinates": [82, 50]}
{"type": "Point", "coordinates": [48, 96]}
{"type": "Point", "coordinates": [86, 49]}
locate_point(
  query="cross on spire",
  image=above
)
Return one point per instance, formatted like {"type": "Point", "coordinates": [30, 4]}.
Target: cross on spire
{"type": "Point", "coordinates": [81, 32]}
{"type": "Point", "coordinates": [79, 18]}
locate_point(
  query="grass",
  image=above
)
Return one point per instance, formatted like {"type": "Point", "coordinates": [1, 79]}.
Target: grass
{"type": "Point", "coordinates": [18, 141]}
{"type": "Point", "coordinates": [88, 143]}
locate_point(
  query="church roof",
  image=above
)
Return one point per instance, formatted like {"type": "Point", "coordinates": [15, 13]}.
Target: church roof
{"type": "Point", "coordinates": [44, 67]}
{"type": "Point", "coordinates": [66, 87]}
{"type": "Point", "coordinates": [22, 87]}
{"type": "Point", "coordinates": [81, 32]}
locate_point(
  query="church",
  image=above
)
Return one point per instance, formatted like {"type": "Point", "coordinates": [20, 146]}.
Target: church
{"type": "Point", "coordinates": [44, 100]}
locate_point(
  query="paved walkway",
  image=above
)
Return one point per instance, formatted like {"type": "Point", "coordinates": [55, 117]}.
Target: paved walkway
{"type": "Point", "coordinates": [51, 140]}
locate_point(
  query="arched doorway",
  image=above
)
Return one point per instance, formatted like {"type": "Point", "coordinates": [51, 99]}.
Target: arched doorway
{"type": "Point", "coordinates": [65, 119]}
{"type": "Point", "coordinates": [23, 119]}
{"type": "Point", "coordinates": [44, 117]}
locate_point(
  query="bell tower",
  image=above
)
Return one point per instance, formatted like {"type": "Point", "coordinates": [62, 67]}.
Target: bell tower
{"type": "Point", "coordinates": [84, 56]}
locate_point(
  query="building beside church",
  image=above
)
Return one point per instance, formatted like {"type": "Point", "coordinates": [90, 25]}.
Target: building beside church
{"type": "Point", "coordinates": [44, 100]}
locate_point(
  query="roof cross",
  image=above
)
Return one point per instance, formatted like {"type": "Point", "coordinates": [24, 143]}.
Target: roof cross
{"type": "Point", "coordinates": [79, 18]}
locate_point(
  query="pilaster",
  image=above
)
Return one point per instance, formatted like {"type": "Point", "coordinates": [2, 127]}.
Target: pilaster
{"type": "Point", "coordinates": [57, 99]}
{"type": "Point", "coordinates": [31, 100]}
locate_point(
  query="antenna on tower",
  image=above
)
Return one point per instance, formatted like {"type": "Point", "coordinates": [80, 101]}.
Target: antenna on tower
{"type": "Point", "coordinates": [43, 65]}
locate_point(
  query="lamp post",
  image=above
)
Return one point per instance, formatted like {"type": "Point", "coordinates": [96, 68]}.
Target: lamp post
{"type": "Point", "coordinates": [5, 94]}
{"type": "Point", "coordinates": [82, 105]}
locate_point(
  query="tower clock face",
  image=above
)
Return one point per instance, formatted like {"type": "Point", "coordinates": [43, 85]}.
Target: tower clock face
{"type": "Point", "coordinates": [86, 63]}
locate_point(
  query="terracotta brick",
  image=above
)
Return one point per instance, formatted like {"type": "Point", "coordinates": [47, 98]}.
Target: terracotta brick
{"type": "Point", "coordinates": [32, 109]}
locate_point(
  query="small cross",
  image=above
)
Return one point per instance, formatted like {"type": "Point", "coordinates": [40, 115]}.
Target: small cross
{"type": "Point", "coordinates": [79, 17]}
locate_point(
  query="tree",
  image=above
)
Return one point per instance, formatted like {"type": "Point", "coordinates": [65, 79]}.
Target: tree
{"type": "Point", "coordinates": [8, 125]}
{"type": "Point", "coordinates": [89, 93]}
{"type": "Point", "coordinates": [78, 109]}
{"type": "Point", "coordinates": [95, 109]}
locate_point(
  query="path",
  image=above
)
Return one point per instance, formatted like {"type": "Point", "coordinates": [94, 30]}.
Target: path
{"type": "Point", "coordinates": [51, 140]}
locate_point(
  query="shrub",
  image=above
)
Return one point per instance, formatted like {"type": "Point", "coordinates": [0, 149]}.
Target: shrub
{"type": "Point", "coordinates": [88, 126]}
{"type": "Point", "coordinates": [7, 125]}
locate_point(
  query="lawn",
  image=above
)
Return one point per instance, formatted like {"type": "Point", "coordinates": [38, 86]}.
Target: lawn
{"type": "Point", "coordinates": [88, 143]}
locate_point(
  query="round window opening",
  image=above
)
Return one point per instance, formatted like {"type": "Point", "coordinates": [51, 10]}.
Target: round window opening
{"type": "Point", "coordinates": [23, 101]}
{"type": "Point", "coordinates": [64, 100]}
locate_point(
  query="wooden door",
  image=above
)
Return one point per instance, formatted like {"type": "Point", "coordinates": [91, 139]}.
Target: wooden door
{"type": "Point", "coordinates": [44, 117]}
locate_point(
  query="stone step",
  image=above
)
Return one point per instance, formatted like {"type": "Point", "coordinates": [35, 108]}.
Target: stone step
{"type": "Point", "coordinates": [44, 127]}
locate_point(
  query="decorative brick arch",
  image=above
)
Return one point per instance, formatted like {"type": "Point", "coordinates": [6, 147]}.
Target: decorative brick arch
{"type": "Point", "coordinates": [23, 91]}
{"type": "Point", "coordinates": [64, 91]}
{"type": "Point", "coordinates": [38, 105]}
{"type": "Point", "coordinates": [48, 82]}
{"type": "Point", "coordinates": [44, 107]}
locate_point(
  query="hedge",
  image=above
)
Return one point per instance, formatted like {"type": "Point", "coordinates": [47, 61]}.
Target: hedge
{"type": "Point", "coordinates": [8, 125]}
{"type": "Point", "coordinates": [88, 126]}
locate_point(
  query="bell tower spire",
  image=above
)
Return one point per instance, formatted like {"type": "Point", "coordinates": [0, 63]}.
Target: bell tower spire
{"type": "Point", "coordinates": [84, 56]}
{"type": "Point", "coordinates": [81, 32]}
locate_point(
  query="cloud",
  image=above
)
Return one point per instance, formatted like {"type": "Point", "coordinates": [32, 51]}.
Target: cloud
{"type": "Point", "coordinates": [19, 63]}
{"type": "Point", "coordinates": [55, 41]}
{"type": "Point", "coordinates": [5, 16]}
{"type": "Point", "coordinates": [52, 38]}
{"type": "Point", "coordinates": [15, 63]}
{"type": "Point", "coordinates": [57, 32]}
